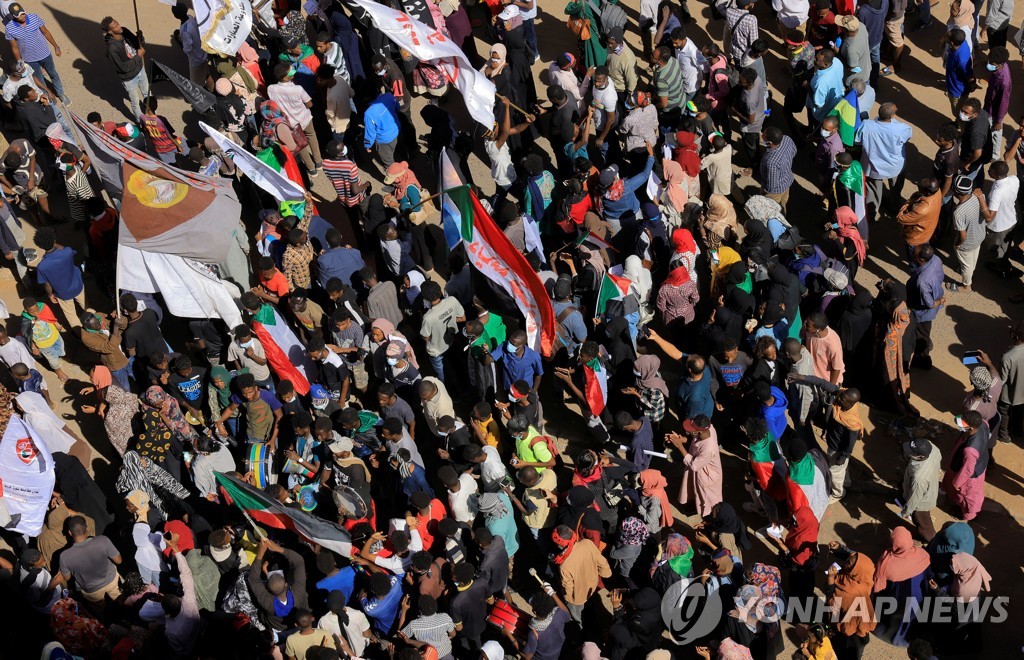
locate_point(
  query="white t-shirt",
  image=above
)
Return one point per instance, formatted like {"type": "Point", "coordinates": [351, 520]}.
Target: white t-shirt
{"type": "Point", "coordinates": [10, 90]}
{"type": "Point", "coordinates": [502, 170]}
{"type": "Point", "coordinates": [605, 100]}
{"type": "Point", "coordinates": [491, 470]}
{"type": "Point", "coordinates": [14, 352]}
{"type": "Point", "coordinates": [292, 99]}
{"type": "Point", "coordinates": [400, 565]}
{"type": "Point", "coordinates": [463, 503]}
{"type": "Point", "coordinates": [1002, 199]}
{"type": "Point", "coordinates": [408, 444]}
{"type": "Point", "coordinates": [354, 629]}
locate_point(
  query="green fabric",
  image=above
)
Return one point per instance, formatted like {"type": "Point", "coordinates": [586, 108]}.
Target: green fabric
{"type": "Point", "coordinates": [797, 326]}
{"type": "Point", "coordinates": [853, 178]}
{"type": "Point", "coordinates": [802, 473]}
{"type": "Point", "coordinates": [764, 450]}
{"type": "Point", "coordinates": [747, 284]}
{"type": "Point", "coordinates": [265, 315]}
{"type": "Point", "coordinates": [682, 564]}
{"type": "Point", "coordinates": [223, 393]}
{"type": "Point", "coordinates": [594, 52]}
{"type": "Point", "coordinates": [367, 420]}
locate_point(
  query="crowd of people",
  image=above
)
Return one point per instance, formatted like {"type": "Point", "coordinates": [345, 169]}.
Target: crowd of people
{"type": "Point", "coordinates": [499, 500]}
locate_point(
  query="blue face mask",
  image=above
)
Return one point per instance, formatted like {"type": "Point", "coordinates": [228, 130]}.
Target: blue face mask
{"type": "Point", "coordinates": [991, 67]}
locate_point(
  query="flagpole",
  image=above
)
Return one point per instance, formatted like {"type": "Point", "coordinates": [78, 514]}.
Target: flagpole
{"type": "Point", "coordinates": [135, 6]}
{"type": "Point", "coordinates": [512, 105]}
{"type": "Point", "coordinates": [435, 196]}
{"type": "Point", "coordinates": [259, 534]}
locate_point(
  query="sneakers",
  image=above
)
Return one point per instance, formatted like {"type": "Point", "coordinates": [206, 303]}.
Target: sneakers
{"type": "Point", "coordinates": [66, 101]}
{"type": "Point", "coordinates": [314, 173]}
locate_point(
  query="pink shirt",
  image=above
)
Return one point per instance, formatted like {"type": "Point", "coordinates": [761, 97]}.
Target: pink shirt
{"type": "Point", "coordinates": [827, 354]}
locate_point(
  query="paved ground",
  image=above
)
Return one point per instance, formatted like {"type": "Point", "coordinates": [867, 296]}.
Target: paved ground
{"type": "Point", "coordinates": [977, 320]}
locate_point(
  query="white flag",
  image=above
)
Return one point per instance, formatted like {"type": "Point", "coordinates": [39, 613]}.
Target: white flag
{"type": "Point", "coordinates": [26, 477]}
{"type": "Point", "coordinates": [281, 187]}
{"type": "Point", "coordinates": [223, 24]}
{"type": "Point", "coordinates": [427, 43]}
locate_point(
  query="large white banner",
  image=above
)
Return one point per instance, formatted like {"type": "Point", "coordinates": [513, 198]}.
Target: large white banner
{"type": "Point", "coordinates": [427, 43]}
{"type": "Point", "coordinates": [223, 24]}
{"type": "Point", "coordinates": [281, 187]}
{"type": "Point", "coordinates": [27, 477]}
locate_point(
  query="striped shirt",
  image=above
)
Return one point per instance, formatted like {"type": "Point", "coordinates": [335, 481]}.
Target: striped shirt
{"type": "Point", "coordinates": [668, 82]}
{"type": "Point", "coordinates": [344, 175]}
{"type": "Point", "coordinates": [433, 630]}
{"type": "Point", "coordinates": [30, 37]}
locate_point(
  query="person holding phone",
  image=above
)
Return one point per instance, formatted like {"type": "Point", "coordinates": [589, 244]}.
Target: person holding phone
{"type": "Point", "coordinates": [987, 386]}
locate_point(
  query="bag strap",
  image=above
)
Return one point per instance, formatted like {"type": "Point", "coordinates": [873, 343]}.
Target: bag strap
{"type": "Point", "coordinates": [594, 7]}
{"type": "Point", "coordinates": [739, 20]}
{"type": "Point", "coordinates": [564, 314]}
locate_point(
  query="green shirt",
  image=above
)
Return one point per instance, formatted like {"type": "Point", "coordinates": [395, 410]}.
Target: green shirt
{"type": "Point", "coordinates": [538, 453]}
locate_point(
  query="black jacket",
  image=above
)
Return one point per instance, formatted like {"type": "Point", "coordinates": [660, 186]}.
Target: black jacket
{"type": "Point", "coordinates": [124, 53]}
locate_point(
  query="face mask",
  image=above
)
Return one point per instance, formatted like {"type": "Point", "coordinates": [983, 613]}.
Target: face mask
{"type": "Point", "coordinates": [442, 434]}
{"type": "Point", "coordinates": [382, 72]}
{"type": "Point", "coordinates": [495, 61]}
{"type": "Point", "coordinates": [991, 67]}
{"type": "Point", "coordinates": [510, 347]}
{"type": "Point", "coordinates": [965, 117]}
{"type": "Point", "coordinates": [392, 361]}
{"type": "Point", "coordinates": [636, 373]}
{"type": "Point", "coordinates": [825, 133]}
{"type": "Point", "coordinates": [602, 88]}
{"type": "Point", "coordinates": [246, 344]}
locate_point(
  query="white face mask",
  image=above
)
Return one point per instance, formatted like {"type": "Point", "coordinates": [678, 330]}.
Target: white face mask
{"type": "Point", "coordinates": [991, 67]}
{"type": "Point", "coordinates": [825, 133]}
{"type": "Point", "coordinates": [246, 344]}
{"type": "Point", "coordinates": [392, 361]}
{"type": "Point", "coordinates": [965, 117]}
{"type": "Point", "coordinates": [382, 72]}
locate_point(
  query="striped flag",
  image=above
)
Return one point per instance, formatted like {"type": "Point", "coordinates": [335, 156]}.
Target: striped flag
{"type": "Point", "coordinates": [493, 255]}
{"type": "Point", "coordinates": [848, 113]}
{"type": "Point", "coordinates": [595, 386]}
{"type": "Point", "coordinates": [451, 215]}
{"type": "Point", "coordinates": [285, 354]}
{"type": "Point", "coordinates": [587, 237]}
{"type": "Point", "coordinates": [849, 191]}
{"type": "Point", "coordinates": [806, 485]}
{"type": "Point", "coordinates": [266, 510]}
{"type": "Point", "coordinates": [613, 287]}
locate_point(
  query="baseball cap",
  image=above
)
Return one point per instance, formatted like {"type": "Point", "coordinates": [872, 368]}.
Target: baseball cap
{"type": "Point", "coordinates": [342, 444]}
{"type": "Point", "coordinates": [509, 12]}
{"type": "Point", "coordinates": [608, 175]}
{"type": "Point", "coordinates": [963, 184]}
{"type": "Point", "coordinates": [318, 393]}
{"type": "Point", "coordinates": [836, 280]}
{"type": "Point", "coordinates": [16, 10]}
{"type": "Point", "coordinates": [917, 447]}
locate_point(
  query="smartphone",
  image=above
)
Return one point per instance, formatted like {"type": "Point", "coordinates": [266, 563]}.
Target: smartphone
{"type": "Point", "coordinates": [835, 566]}
{"type": "Point", "coordinates": [971, 358]}
{"type": "Point", "coordinates": [506, 482]}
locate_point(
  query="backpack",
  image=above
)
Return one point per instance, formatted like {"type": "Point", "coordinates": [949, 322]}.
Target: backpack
{"type": "Point", "coordinates": [552, 448]}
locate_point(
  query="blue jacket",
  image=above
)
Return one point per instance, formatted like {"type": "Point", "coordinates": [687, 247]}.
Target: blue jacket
{"type": "Point", "coordinates": [381, 120]}
{"type": "Point", "coordinates": [924, 288]}
{"type": "Point", "coordinates": [775, 414]}
{"type": "Point", "coordinates": [628, 203]}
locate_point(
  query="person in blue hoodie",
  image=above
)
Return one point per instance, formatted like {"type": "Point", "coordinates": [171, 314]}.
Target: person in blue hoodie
{"type": "Point", "coordinates": [381, 122]}
{"type": "Point", "coordinates": [773, 407]}
{"type": "Point", "coordinates": [618, 196]}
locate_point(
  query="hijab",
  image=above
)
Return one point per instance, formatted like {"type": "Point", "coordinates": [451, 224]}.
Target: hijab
{"type": "Point", "coordinates": [855, 321]}
{"type": "Point", "coordinates": [497, 68]}
{"type": "Point", "coordinates": [686, 153]}
{"type": "Point", "coordinates": [725, 521]}
{"type": "Point", "coordinates": [847, 221]}
{"type": "Point", "coordinates": [678, 276]}
{"type": "Point", "coordinates": [653, 484]}
{"type": "Point", "coordinates": [673, 172]}
{"type": "Point", "coordinates": [404, 179]}
{"type": "Point", "coordinates": [720, 220]}
{"type": "Point", "coordinates": [902, 561]}
{"type": "Point", "coordinates": [767, 578]}
{"type": "Point", "coordinates": [650, 378]}
{"type": "Point", "coordinates": [272, 118]}
{"type": "Point", "coordinates": [682, 242]}
{"type": "Point", "coordinates": [633, 531]}
{"type": "Point", "coordinates": [156, 398]}
{"type": "Point", "coordinates": [393, 335]}
{"type": "Point", "coordinates": [852, 597]}
{"type": "Point", "coordinates": [969, 577]}
{"type": "Point", "coordinates": [785, 288]}
{"type": "Point", "coordinates": [101, 377]}
{"type": "Point", "coordinates": [678, 553]}
{"type": "Point", "coordinates": [223, 393]}
{"type": "Point", "coordinates": [38, 414]}
{"type": "Point", "coordinates": [757, 236]}
{"type": "Point", "coordinates": [746, 606]}
{"type": "Point", "coordinates": [620, 345]}
{"type": "Point", "coordinates": [639, 277]}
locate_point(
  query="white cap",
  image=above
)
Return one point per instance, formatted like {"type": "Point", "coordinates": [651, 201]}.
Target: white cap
{"type": "Point", "coordinates": [509, 12]}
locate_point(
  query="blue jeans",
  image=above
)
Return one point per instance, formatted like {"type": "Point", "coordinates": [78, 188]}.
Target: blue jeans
{"type": "Point", "coordinates": [138, 90]}
{"type": "Point", "coordinates": [122, 375]}
{"type": "Point", "coordinates": [437, 362]}
{"type": "Point", "coordinates": [47, 65]}
{"type": "Point", "coordinates": [926, 12]}
{"type": "Point", "coordinates": [530, 34]}
{"type": "Point", "coordinates": [267, 385]}
{"type": "Point", "coordinates": [170, 157]}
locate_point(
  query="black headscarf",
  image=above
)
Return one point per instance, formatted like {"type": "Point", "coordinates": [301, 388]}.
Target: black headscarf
{"type": "Point", "coordinates": [619, 345]}
{"type": "Point", "coordinates": [757, 236]}
{"type": "Point", "coordinates": [640, 627]}
{"type": "Point", "coordinates": [579, 511]}
{"type": "Point", "coordinates": [784, 287]}
{"type": "Point", "coordinates": [376, 214]}
{"type": "Point", "coordinates": [855, 322]}
{"type": "Point", "coordinates": [723, 519]}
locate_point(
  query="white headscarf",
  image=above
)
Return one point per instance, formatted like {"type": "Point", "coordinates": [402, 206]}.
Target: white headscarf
{"type": "Point", "coordinates": [639, 277]}
{"type": "Point", "coordinates": [50, 427]}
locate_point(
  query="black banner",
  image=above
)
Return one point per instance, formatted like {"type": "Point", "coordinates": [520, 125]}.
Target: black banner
{"type": "Point", "coordinates": [200, 97]}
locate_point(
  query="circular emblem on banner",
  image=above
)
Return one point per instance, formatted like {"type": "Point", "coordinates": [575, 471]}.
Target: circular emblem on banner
{"type": "Point", "coordinates": [26, 450]}
{"type": "Point", "coordinates": [154, 192]}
